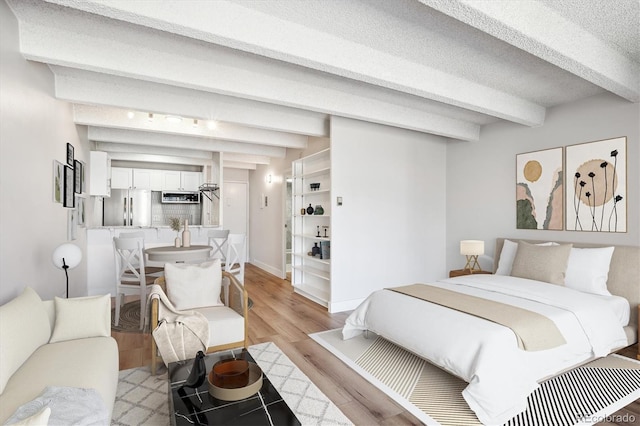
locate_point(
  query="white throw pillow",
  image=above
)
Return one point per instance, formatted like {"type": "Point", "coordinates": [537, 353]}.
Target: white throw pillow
{"type": "Point", "coordinates": [588, 269]}
{"type": "Point", "coordinates": [507, 255]}
{"type": "Point", "coordinates": [191, 286]}
{"type": "Point", "coordinates": [24, 327]}
{"type": "Point", "coordinates": [81, 317]}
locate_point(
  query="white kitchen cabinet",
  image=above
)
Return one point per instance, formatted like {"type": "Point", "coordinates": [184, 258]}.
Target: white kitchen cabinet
{"type": "Point", "coordinates": [173, 180]}
{"type": "Point", "coordinates": [147, 179]}
{"type": "Point", "coordinates": [311, 275]}
{"type": "Point", "coordinates": [99, 174]}
{"type": "Point", "coordinates": [121, 177]}
{"type": "Point", "coordinates": [191, 181]}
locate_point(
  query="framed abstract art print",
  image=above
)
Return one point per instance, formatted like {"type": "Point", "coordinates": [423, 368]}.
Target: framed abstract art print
{"type": "Point", "coordinates": [539, 190]}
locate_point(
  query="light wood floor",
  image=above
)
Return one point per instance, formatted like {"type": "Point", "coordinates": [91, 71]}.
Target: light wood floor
{"type": "Point", "coordinates": [281, 316]}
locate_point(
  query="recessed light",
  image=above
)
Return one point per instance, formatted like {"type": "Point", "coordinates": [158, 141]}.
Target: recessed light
{"type": "Point", "coordinates": [212, 124]}
{"type": "Point", "coordinates": [173, 118]}
{"type": "Point", "coordinates": [130, 114]}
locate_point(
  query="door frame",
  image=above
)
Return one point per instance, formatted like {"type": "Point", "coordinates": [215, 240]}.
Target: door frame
{"type": "Point", "coordinates": [246, 215]}
{"type": "Point", "coordinates": [287, 174]}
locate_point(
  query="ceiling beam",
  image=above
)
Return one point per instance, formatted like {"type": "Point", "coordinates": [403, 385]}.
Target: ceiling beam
{"type": "Point", "coordinates": [124, 148]}
{"type": "Point", "coordinates": [238, 165]}
{"type": "Point", "coordinates": [86, 87]}
{"type": "Point", "coordinates": [103, 116]}
{"type": "Point", "coordinates": [79, 40]}
{"type": "Point", "coordinates": [540, 31]}
{"type": "Point", "coordinates": [244, 158]}
{"type": "Point", "coordinates": [134, 137]}
{"type": "Point", "coordinates": [217, 22]}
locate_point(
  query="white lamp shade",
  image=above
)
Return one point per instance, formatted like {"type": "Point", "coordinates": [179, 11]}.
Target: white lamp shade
{"type": "Point", "coordinates": [70, 252]}
{"type": "Point", "coordinates": [472, 247]}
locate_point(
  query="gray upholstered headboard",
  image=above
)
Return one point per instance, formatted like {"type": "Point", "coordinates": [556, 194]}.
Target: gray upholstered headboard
{"type": "Point", "coordinates": [624, 272]}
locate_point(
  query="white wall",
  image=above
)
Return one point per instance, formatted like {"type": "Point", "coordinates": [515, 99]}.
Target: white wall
{"type": "Point", "coordinates": [266, 245]}
{"type": "Point", "coordinates": [481, 175]}
{"type": "Point", "coordinates": [391, 227]}
{"type": "Point", "coordinates": [35, 130]}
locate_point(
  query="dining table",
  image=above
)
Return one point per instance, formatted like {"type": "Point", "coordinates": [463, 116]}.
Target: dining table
{"type": "Point", "coordinates": [178, 254]}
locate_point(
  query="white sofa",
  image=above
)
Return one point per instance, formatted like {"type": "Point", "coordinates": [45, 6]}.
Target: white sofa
{"type": "Point", "coordinates": [63, 343]}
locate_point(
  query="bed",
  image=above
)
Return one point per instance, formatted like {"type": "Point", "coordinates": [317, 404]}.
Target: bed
{"type": "Point", "coordinates": [501, 373]}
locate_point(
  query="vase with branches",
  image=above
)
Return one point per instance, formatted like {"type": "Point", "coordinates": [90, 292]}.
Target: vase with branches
{"type": "Point", "coordinates": [174, 223]}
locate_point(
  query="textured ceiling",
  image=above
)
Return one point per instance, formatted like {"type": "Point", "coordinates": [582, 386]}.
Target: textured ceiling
{"type": "Point", "coordinates": [272, 72]}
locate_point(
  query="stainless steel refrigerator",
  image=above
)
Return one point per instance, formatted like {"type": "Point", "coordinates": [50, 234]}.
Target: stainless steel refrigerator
{"type": "Point", "coordinates": [127, 207]}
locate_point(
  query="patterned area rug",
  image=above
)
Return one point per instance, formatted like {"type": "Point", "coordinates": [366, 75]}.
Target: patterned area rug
{"type": "Point", "coordinates": [584, 395]}
{"type": "Point", "coordinates": [142, 399]}
{"type": "Point", "coordinates": [129, 318]}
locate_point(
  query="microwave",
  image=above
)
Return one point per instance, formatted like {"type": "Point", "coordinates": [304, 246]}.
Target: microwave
{"type": "Point", "coordinates": [180, 197]}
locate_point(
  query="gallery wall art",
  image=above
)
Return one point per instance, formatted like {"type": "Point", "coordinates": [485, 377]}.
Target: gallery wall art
{"type": "Point", "coordinates": [596, 196]}
{"type": "Point", "coordinates": [539, 190]}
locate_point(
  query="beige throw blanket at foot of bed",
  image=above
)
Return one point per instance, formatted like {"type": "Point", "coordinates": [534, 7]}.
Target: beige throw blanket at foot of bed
{"type": "Point", "coordinates": [179, 334]}
{"type": "Point", "coordinates": [534, 331]}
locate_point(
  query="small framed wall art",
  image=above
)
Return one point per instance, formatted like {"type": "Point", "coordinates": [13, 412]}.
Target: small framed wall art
{"type": "Point", "coordinates": [70, 154]}
{"type": "Point", "coordinates": [77, 177]}
{"type": "Point", "coordinates": [596, 196]}
{"type": "Point", "coordinates": [539, 190]}
{"type": "Point", "coordinates": [69, 182]}
{"type": "Point", "coordinates": [58, 181]}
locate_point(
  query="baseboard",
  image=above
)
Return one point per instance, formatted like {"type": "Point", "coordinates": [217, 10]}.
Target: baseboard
{"type": "Point", "coordinates": [268, 268]}
{"type": "Point", "coordinates": [347, 305]}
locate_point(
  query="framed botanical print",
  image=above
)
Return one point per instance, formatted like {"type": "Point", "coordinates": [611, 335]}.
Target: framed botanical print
{"type": "Point", "coordinates": [77, 177]}
{"type": "Point", "coordinates": [596, 196]}
{"type": "Point", "coordinates": [69, 182]}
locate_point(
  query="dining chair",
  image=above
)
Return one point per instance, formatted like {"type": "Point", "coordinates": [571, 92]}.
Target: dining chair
{"type": "Point", "coordinates": [131, 277]}
{"type": "Point", "coordinates": [218, 240]}
{"type": "Point", "coordinates": [156, 271]}
{"type": "Point", "coordinates": [236, 255]}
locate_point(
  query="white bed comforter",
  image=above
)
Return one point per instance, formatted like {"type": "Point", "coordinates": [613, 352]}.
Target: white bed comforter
{"type": "Point", "coordinates": [486, 354]}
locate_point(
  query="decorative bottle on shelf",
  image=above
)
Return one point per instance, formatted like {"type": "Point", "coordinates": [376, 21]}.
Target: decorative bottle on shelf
{"type": "Point", "coordinates": [309, 209]}
{"type": "Point", "coordinates": [176, 242]}
{"type": "Point", "coordinates": [186, 235]}
{"type": "Point", "coordinates": [318, 210]}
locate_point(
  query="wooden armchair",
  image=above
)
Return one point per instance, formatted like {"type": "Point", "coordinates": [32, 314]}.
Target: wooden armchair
{"type": "Point", "coordinates": [228, 324]}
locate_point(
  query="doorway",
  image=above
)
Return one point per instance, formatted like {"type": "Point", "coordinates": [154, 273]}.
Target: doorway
{"type": "Point", "coordinates": [236, 209]}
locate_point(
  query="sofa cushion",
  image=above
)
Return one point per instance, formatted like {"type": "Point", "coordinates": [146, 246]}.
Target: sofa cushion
{"type": "Point", "coordinates": [225, 325]}
{"type": "Point", "coordinates": [82, 317]}
{"type": "Point", "coordinates": [82, 363]}
{"type": "Point", "coordinates": [25, 324]}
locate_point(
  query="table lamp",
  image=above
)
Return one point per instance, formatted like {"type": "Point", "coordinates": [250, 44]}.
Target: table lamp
{"type": "Point", "coordinates": [472, 249]}
{"type": "Point", "coordinates": [67, 256]}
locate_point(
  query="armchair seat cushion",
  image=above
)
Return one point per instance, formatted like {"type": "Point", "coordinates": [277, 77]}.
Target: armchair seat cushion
{"type": "Point", "coordinates": [225, 325]}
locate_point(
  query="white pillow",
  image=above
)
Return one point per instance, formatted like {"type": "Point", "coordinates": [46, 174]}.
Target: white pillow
{"type": "Point", "coordinates": [507, 255]}
{"type": "Point", "coordinates": [82, 317]}
{"type": "Point", "coordinates": [191, 286]}
{"type": "Point", "coordinates": [588, 269]}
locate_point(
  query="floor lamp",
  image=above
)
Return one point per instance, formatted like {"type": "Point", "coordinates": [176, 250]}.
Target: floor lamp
{"type": "Point", "coordinates": [67, 256]}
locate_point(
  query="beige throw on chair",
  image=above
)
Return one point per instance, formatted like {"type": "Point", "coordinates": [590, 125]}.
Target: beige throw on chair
{"type": "Point", "coordinates": [179, 334]}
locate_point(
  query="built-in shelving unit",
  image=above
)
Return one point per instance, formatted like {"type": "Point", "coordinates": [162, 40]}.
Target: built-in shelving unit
{"type": "Point", "coordinates": [311, 275]}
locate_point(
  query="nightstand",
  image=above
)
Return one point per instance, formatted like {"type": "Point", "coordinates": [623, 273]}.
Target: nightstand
{"type": "Point", "coordinates": [460, 272]}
